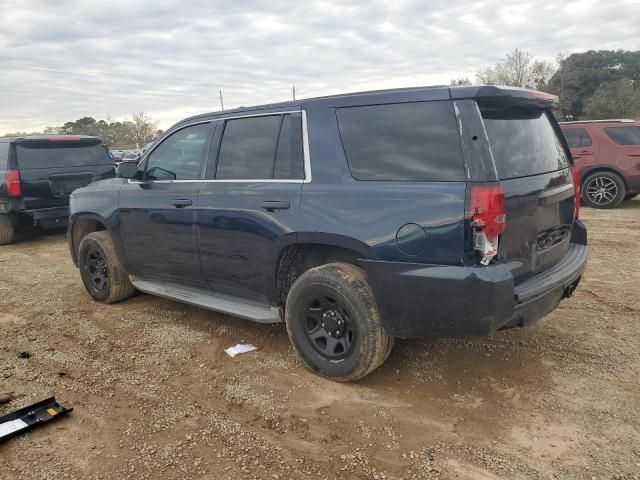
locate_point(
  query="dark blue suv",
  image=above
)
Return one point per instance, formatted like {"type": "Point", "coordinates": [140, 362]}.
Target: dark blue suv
{"type": "Point", "coordinates": [421, 212]}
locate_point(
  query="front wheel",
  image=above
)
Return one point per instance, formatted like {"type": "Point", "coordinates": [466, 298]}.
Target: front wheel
{"type": "Point", "coordinates": [334, 324]}
{"type": "Point", "coordinates": [103, 275]}
{"type": "Point", "coordinates": [603, 190]}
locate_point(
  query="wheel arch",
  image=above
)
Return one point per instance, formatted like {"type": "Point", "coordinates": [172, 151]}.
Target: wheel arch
{"type": "Point", "coordinates": [80, 225]}
{"type": "Point", "coordinates": [311, 249]}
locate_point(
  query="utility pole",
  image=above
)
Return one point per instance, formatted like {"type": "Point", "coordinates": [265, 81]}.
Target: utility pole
{"type": "Point", "coordinates": [293, 92]}
{"type": "Point", "coordinates": [221, 102]}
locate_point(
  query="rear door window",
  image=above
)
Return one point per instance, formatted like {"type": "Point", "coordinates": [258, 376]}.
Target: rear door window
{"type": "Point", "coordinates": [624, 135]}
{"type": "Point", "coordinates": [4, 155]}
{"type": "Point", "coordinates": [411, 142]}
{"type": "Point", "coordinates": [34, 155]}
{"type": "Point", "coordinates": [261, 148]}
{"type": "Point", "coordinates": [523, 142]}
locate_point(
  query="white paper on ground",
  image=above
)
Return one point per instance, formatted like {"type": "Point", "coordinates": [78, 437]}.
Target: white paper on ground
{"type": "Point", "coordinates": [239, 348]}
{"type": "Point", "coordinates": [11, 426]}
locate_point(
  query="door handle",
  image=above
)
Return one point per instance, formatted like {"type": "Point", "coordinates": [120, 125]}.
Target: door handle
{"type": "Point", "coordinates": [181, 202]}
{"type": "Point", "coordinates": [585, 152]}
{"type": "Point", "coordinates": [274, 206]}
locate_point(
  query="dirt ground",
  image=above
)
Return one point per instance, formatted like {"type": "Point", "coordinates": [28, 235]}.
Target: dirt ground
{"type": "Point", "coordinates": [156, 397]}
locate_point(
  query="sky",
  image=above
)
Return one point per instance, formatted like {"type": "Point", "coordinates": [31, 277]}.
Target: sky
{"type": "Point", "coordinates": [63, 60]}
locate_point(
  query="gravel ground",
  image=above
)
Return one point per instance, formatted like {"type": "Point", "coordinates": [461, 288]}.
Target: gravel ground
{"type": "Point", "coordinates": [156, 397]}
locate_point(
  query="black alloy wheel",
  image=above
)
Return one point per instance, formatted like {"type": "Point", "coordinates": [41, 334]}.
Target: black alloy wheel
{"type": "Point", "coordinates": [328, 325]}
{"type": "Point", "coordinates": [96, 269]}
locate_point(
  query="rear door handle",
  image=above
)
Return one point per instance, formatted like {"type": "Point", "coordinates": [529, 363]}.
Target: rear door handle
{"type": "Point", "coordinates": [181, 202]}
{"type": "Point", "coordinates": [274, 206]}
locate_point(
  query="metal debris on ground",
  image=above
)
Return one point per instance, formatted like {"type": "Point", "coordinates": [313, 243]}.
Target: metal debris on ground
{"type": "Point", "coordinates": [31, 416]}
{"type": "Point", "coordinates": [239, 348]}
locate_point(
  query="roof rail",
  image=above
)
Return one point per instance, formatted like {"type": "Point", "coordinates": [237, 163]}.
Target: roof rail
{"type": "Point", "coordinates": [615, 120]}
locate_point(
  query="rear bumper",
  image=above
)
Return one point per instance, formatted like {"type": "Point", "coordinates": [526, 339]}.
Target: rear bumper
{"type": "Point", "coordinates": [17, 210]}
{"type": "Point", "coordinates": [422, 301]}
{"type": "Point", "coordinates": [48, 213]}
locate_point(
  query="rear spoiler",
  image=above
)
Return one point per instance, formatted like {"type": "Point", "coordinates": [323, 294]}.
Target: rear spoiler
{"type": "Point", "coordinates": [505, 96]}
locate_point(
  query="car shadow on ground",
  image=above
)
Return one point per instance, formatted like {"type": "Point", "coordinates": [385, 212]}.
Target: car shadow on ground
{"type": "Point", "coordinates": [35, 234]}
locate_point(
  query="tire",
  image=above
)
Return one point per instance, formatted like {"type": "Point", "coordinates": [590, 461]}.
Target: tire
{"type": "Point", "coordinates": [6, 230]}
{"type": "Point", "coordinates": [102, 273]}
{"type": "Point", "coordinates": [334, 324]}
{"type": "Point", "coordinates": [603, 190]}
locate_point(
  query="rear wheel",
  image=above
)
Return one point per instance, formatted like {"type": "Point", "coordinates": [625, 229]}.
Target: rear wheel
{"type": "Point", "coordinates": [334, 324]}
{"type": "Point", "coordinates": [7, 230]}
{"type": "Point", "coordinates": [603, 190]}
{"type": "Point", "coordinates": [103, 275]}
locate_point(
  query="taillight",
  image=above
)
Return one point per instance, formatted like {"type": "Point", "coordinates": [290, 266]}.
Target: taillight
{"type": "Point", "coordinates": [488, 219]}
{"type": "Point", "coordinates": [576, 188]}
{"type": "Point", "coordinates": [12, 181]}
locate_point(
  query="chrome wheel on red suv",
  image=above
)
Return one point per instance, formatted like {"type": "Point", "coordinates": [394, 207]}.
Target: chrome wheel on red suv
{"type": "Point", "coordinates": [603, 190]}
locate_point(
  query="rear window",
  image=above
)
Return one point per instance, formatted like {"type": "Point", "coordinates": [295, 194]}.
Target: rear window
{"type": "Point", "coordinates": [523, 142]}
{"type": "Point", "coordinates": [624, 135]}
{"type": "Point", "coordinates": [412, 142]}
{"type": "Point", "coordinates": [4, 155]}
{"type": "Point", "coordinates": [47, 154]}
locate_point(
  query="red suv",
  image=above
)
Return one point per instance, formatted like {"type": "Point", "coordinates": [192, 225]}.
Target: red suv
{"type": "Point", "coordinates": [607, 155]}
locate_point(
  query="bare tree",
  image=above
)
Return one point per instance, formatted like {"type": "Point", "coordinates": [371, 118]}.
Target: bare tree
{"type": "Point", "coordinates": [518, 69]}
{"type": "Point", "coordinates": [143, 129]}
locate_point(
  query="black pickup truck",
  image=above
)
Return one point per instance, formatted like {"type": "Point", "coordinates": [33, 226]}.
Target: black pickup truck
{"type": "Point", "coordinates": [37, 175]}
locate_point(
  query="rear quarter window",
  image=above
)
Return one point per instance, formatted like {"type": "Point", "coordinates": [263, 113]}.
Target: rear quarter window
{"type": "Point", "coordinates": [523, 142]}
{"type": "Point", "coordinates": [624, 135]}
{"type": "Point", "coordinates": [45, 155]}
{"type": "Point", "coordinates": [577, 137]}
{"type": "Point", "coordinates": [4, 155]}
{"type": "Point", "coordinates": [411, 142]}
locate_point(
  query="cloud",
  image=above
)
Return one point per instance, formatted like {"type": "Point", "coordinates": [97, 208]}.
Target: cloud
{"type": "Point", "coordinates": [170, 58]}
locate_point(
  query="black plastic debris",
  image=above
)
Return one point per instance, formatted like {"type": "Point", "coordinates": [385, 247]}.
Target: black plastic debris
{"type": "Point", "coordinates": [24, 354]}
{"type": "Point", "coordinates": [29, 417]}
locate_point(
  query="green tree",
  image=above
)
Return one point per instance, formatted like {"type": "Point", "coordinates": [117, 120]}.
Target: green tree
{"type": "Point", "coordinates": [580, 75]}
{"type": "Point", "coordinates": [619, 99]}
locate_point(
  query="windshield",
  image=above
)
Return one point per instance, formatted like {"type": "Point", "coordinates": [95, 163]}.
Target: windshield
{"type": "Point", "coordinates": [523, 142]}
{"type": "Point", "coordinates": [46, 155]}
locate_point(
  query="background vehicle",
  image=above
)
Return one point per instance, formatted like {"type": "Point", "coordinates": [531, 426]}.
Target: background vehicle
{"type": "Point", "coordinates": [355, 218]}
{"type": "Point", "coordinates": [607, 155]}
{"type": "Point", "coordinates": [116, 156]}
{"type": "Point", "coordinates": [37, 175]}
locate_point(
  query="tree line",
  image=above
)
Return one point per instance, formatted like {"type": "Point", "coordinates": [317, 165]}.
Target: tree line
{"type": "Point", "coordinates": [590, 85]}
{"type": "Point", "coordinates": [130, 133]}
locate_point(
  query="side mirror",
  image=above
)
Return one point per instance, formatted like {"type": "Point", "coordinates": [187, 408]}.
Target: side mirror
{"type": "Point", "coordinates": [127, 169]}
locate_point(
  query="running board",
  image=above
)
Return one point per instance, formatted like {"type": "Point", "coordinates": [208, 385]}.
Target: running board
{"type": "Point", "coordinates": [239, 307]}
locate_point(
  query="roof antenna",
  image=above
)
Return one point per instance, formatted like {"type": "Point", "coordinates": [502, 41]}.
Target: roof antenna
{"type": "Point", "coordinates": [293, 92]}
{"type": "Point", "coordinates": [221, 102]}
